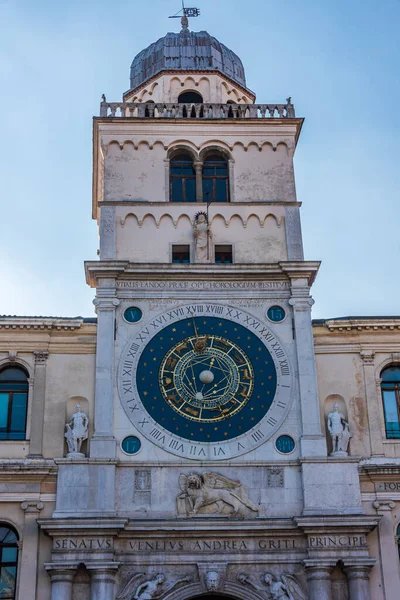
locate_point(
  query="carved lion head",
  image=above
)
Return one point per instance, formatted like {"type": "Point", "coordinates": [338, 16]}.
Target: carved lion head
{"type": "Point", "coordinates": [194, 480]}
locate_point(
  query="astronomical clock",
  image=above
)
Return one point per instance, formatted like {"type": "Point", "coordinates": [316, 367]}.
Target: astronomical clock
{"type": "Point", "coordinates": [205, 381]}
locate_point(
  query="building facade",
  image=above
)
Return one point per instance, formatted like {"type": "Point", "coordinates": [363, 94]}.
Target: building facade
{"type": "Point", "coordinates": [201, 437]}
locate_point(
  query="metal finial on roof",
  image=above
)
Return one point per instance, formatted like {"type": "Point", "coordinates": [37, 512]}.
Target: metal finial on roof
{"type": "Point", "coordinates": [186, 12]}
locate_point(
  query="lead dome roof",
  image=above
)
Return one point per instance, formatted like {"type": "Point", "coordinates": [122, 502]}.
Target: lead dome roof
{"type": "Point", "coordinates": [186, 51]}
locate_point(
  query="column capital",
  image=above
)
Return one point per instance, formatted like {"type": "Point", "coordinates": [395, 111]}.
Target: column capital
{"type": "Point", "coordinates": [357, 571]}
{"type": "Point", "coordinates": [61, 572]}
{"type": "Point", "coordinates": [32, 506]}
{"type": "Point", "coordinates": [301, 304]}
{"type": "Point", "coordinates": [40, 357]}
{"type": "Point", "coordinates": [382, 506]}
{"type": "Point", "coordinates": [315, 570]}
{"type": "Point", "coordinates": [103, 572]}
{"type": "Point", "coordinates": [368, 357]}
{"type": "Point", "coordinates": [109, 303]}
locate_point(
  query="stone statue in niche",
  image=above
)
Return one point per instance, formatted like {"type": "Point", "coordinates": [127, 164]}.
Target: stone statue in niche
{"type": "Point", "coordinates": [77, 432]}
{"type": "Point", "coordinates": [150, 589]}
{"type": "Point", "coordinates": [339, 429]}
{"type": "Point", "coordinates": [283, 587]}
{"type": "Point", "coordinates": [202, 235]}
{"type": "Point", "coordinates": [211, 493]}
{"type": "Point", "coordinates": [212, 581]}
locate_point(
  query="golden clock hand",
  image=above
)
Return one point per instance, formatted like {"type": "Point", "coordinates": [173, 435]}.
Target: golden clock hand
{"type": "Point", "coordinates": [195, 328]}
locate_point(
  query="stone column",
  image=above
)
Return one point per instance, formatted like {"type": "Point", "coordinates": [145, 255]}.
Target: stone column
{"type": "Point", "coordinates": [167, 179]}
{"type": "Point", "coordinates": [313, 443]}
{"type": "Point", "coordinates": [389, 554]}
{"type": "Point", "coordinates": [319, 582]}
{"type": "Point", "coordinates": [102, 581]}
{"type": "Point", "coordinates": [102, 444]}
{"type": "Point", "coordinates": [37, 412]}
{"type": "Point", "coordinates": [358, 580]}
{"type": "Point", "coordinates": [231, 162]}
{"type": "Point", "coordinates": [372, 399]}
{"type": "Point", "coordinates": [198, 166]}
{"type": "Point", "coordinates": [29, 557]}
{"type": "Point", "coordinates": [61, 582]}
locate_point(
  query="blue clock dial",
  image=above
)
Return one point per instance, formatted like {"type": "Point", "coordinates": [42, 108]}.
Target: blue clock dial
{"type": "Point", "coordinates": [206, 378]}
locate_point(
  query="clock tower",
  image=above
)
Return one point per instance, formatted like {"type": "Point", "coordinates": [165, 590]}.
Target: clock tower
{"type": "Point", "coordinates": [207, 469]}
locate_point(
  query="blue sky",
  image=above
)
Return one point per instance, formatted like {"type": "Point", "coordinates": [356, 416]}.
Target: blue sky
{"type": "Point", "coordinates": [338, 59]}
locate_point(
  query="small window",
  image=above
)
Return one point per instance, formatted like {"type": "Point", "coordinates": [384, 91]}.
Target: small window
{"type": "Point", "coordinates": [223, 255]}
{"type": "Point", "coordinates": [391, 401]}
{"type": "Point", "coordinates": [181, 254]}
{"type": "Point", "coordinates": [190, 98]}
{"type": "Point", "coordinates": [13, 403]}
{"type": "Point", "coordinates": [215, 179]}
{"type": "Point", "coordinates": [182, 179]}
{"type": "Point", "coordinates": [8, 562]}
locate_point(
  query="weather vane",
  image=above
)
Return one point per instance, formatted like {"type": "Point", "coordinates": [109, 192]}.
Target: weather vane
{"type": "Point", "coordinates": [186, 12]}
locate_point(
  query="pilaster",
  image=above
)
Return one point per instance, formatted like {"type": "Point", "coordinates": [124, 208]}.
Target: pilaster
{"type": "Point", "coordinates": [374, 421]}
{"type": "Point", "coordinates": [294, 241]}
{"type": "Point", "coordinates": [29, 557]}
{"type": "Point", "coordinates": [108, 234]}
{"type": "Point", "coordinates": [388, 548]}
{"type": "Point", "coordinates": [313, 443]}
{"type": "Point", "coordinates": [38, 403]}
{"type": "Point", "coordinates": [102, 444]}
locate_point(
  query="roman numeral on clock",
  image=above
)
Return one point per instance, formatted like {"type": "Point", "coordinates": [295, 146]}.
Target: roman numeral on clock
{"type": "Point", "coordinates": [257, 435]}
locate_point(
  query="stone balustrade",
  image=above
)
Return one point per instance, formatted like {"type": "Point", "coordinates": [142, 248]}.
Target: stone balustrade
{"type": "Point", "coordinates": [153, 110]}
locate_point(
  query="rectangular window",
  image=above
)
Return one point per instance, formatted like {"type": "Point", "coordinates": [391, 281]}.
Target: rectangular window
{"type": "Point", "coordinates": [181, 254]}
{"type": "Point", "coordinates": [223, 255]}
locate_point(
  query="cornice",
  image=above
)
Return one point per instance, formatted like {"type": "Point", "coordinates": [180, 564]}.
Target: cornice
{"type": "Point", "coordinates": [40, 323]}
{"type": "Point", "coordinates": [96, 270]}
{"type": "Point", "coordinates": [363, 324]}
{"type": "Point", "coordinates": [26, 469]}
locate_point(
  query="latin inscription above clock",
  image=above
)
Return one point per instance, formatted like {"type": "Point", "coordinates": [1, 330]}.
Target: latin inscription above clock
{"type": "Point", "coordinates": [205, 381]}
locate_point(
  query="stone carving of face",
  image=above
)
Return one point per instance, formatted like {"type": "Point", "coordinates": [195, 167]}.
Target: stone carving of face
{"type": "Point", "coordinates": [268, 578]}
{"type": "Point", "coordinates": [78, 408]}
{"type": "Point", "coordinates": [212, 581]}
{"type": "Point", "coordinates": [201, 219]}
{"type": "Point", "coordinates": [335, 407]}
{"type": "Point", "coordinates": [160, 578]}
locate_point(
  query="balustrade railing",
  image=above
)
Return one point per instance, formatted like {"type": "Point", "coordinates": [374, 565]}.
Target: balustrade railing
{"type": "Point", "coordinates": [153, 110]}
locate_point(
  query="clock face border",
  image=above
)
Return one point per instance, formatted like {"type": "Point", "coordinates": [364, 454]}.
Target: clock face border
{"type": "Point", "coordinates": [193, 449]}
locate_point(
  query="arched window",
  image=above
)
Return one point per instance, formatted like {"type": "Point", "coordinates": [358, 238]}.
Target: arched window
{"type": "Point", "coordinates": [190, 98]}
{"type": "Point", "coordinates": [391, 400]}
{"type": "Point", "coordinates": [182, 179]}
{"type": "Point", "coordinates": [13, 403]}
{"type": "Point", "coordinates": [9, 561]}
{"type": "Point", "coordinates": [215, 179]}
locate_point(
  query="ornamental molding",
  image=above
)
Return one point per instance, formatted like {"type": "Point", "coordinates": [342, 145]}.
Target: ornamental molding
{"type": "Point", "coordinates": [176, 218]}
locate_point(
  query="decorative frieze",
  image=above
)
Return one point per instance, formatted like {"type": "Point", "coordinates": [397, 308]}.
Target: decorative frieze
{"type": "Point", "coordinates": [173, 286]}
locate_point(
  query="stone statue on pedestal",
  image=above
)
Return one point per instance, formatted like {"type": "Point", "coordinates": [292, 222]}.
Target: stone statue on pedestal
{"type": "Point", "coordinates": [77, 432]}
{"type": "Point", "coordinates": [202, 235]}
{"type": "Point", "coordinates": [339, 429]}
